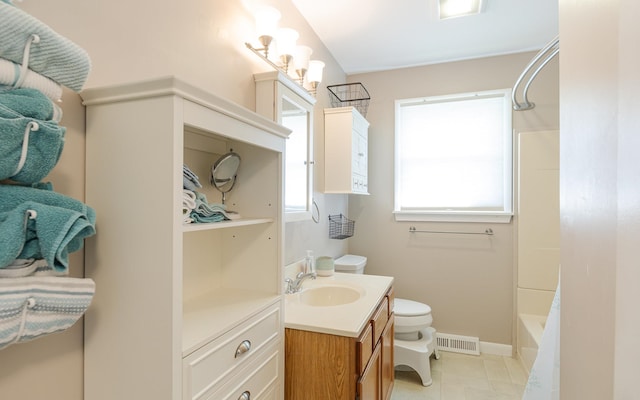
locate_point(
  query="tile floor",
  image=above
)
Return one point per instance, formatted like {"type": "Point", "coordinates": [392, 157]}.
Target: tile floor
{"type": "Point", "coordinates": [465, 377]}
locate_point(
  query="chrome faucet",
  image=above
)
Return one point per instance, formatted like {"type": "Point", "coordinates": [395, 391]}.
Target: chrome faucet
{"type": "Point", "coordinates": [293, 286]}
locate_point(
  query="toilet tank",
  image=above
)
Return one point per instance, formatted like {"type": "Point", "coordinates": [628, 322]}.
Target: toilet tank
{"type": "Point", "coordinates": [351, 264]}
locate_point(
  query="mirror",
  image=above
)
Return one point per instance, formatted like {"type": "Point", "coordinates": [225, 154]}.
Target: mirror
{"type": "Point", "coordinates": [296, 158]}
{"type": "Point", "coordinates": [224, 173]}
{"type": "Point", "coordinates": [284, 101]}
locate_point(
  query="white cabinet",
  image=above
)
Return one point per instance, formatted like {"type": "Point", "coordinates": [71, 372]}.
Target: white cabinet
{"type": "Point", "coordinates": [175, 303]}
{"type": "Point", "coordinates": [287, 103]}
{"type": "Point", "coordinates": [345, 140]}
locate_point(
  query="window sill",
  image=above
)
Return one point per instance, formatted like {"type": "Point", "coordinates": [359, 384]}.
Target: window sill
{"type": "Point", "coordinates": [459, 216]}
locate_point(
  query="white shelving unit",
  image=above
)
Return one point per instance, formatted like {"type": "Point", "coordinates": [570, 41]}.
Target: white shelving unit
{"type": "Point", "coordinates": [173, 299]}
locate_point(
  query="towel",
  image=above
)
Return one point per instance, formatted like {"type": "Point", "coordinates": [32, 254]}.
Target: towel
{"type": "Point", "coordinates": [198, 218]}
{"type": "Point", "coordinates": [19, 268]}
{"type": "Point", "coordinates": [188, 199]}
{"type": "Point", "coordinates": [28, 267]}
{"type": "Point", "coordinates": [35, 306]}
{"type": "Point", "coordinates": [205, 212]}
{"type": "Point", "coordinates": [188, 204]}
{"type": "Point", "coordinates": [10, 74]}
{"type": "Point", "coordinates": [30, 148]}
{"type": "Point", "coordinates": [54, 56]}
{"type": "Point", "coordinates": [42, 224]}
{"type": "Point", "coordinates": [190, 181]}
{"type": "Point", "coordinates": [30, 103]}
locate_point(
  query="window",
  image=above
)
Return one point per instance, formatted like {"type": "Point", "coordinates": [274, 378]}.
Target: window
{"type": "Point", "coordinates": [454, 158]}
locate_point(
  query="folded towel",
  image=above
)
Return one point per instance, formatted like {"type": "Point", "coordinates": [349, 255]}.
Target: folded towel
{"type": "Point", "coordinates": [53, 56]}
{"type": "Point", "coordinates": [205, 212]}
{"type": "Point", "coordinates": [190, 181]}
{"type": "Point", "coordinates": [42, 224]}
{"type": "Point", "coordinates": [188, 199]}
{"type": "Point", "coordinates": [198, 218]}
{"type": "Point", "coordinates": [10, 75]}
{"type": "Point", "coordinates": [30, 103]}
{"type": "Point", "coordinates": [204, 208]}
{"type": "Point", "coordinates": [19, 268]}
{"type": "Point", "coordinates": [30, 148]}
{"type": "Point", "coordinates": [34, 306]}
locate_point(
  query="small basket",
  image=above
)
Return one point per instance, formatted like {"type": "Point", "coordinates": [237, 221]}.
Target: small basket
{"type": "Point", "coordinates": [340, 227]}
{"type": "Point", "coordinates": [350, 95]}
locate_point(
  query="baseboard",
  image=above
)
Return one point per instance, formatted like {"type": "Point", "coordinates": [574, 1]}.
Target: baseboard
{"type": "Point", "coordinates": [497, 349]}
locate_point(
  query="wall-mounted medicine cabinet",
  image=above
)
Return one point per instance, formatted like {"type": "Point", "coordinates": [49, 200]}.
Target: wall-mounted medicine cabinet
{"type": "Point", "coordinates": [346, 136]}
{"type": "Point", "coordinates": [284, 101]}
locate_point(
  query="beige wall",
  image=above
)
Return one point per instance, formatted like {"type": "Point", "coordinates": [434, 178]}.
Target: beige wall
{"type": "Point", "coordinates": [599, 194]}
{"type": "Point", "coordinates": [467, 280]}
{"type": "Point", "coordinates": [201, 41]}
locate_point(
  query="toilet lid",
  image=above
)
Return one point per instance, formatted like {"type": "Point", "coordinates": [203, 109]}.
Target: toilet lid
{"type": "Point", "coordinates": [410, 308]}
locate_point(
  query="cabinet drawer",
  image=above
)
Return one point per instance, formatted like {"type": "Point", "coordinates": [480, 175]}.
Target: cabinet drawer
{"type": "Point", "coordinates": [368, 386]}
{"type": "Point", "coordinates": [391, 296]}
{"type": "Point", "coordinates": [207, 366]}
{"type": "Point", "coordinates": [256, 382]}
{"type": "Point", "coordinates": [379, 319]}
{"type": "Point", "coordinates": [364, 348]}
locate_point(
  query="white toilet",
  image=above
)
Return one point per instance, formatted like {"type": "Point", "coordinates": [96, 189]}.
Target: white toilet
{"type": "Point", "coordinates": [414, 338]}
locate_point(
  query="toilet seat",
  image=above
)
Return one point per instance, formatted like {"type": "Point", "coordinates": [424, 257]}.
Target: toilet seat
{"type": "Point", "coordinates": [410, 308]}
{"type": "Point", "coordinates": [411, 316]}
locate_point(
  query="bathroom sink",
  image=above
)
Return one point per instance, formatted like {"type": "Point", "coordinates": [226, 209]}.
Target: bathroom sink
{"type": "Point", "coordinates": [323, 296]}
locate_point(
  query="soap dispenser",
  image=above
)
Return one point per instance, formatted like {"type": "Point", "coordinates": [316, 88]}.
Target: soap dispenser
{"type": "Point", "coordinates": [309, 265]}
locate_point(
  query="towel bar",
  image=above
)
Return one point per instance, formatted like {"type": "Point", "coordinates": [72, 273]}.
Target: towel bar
{"type": "Point", "coordinates": [488, 232]}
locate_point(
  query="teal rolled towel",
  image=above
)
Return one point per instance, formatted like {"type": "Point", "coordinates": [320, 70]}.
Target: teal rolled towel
{"type": "Point", "coordinates": [54, 56]}
{"type": "Point", "coordinates": [42, 224]}
{"type": "Point", "coordinates": [29, 103]}
{"type": "Point", "coordinates": [30, 147]}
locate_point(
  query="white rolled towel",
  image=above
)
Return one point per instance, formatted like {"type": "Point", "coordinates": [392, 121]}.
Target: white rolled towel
{"type": "Point", "coordinates": [35, 306]}
{"type": "Point", "coordinates": [10, 74]}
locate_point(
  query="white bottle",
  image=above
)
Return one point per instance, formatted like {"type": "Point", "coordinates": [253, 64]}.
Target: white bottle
{"type": "Point", "coordinates": [309, 265]}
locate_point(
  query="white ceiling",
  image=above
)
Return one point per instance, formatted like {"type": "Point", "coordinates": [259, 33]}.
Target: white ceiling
{"type": "Point", "coordinates": [376, 35]}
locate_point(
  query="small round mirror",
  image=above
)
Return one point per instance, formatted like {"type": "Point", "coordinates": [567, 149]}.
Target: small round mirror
{"type": "Point", "coordinates": [224, 173]}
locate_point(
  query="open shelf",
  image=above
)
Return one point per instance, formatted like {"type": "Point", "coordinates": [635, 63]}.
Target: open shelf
{"type": "Point", "coordinates": [225, 224]}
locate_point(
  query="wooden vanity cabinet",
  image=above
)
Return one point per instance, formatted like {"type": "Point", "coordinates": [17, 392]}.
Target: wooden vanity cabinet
{"type": "Point", "coordinates": [320, 366]}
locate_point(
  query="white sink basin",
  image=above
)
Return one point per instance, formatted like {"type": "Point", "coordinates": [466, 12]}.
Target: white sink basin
{"type": "Point", "coordinates": [323, 296]}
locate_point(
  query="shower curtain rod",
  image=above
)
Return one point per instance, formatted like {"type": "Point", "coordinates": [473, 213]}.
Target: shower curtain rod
{"type": "Point", "coordinates": [543, 57]}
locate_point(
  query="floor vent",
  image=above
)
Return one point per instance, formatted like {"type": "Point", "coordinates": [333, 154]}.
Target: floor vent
{"type": "Point", "coordinates": [458, 344]}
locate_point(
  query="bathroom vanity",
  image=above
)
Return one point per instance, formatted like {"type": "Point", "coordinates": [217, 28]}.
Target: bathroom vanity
{"type": "Point", "coordinates": [340, 351]}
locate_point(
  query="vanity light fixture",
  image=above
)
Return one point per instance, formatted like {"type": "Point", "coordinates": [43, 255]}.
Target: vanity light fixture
{"type": "Point", "coordinates": [286, 39]}
{"type": "Point", "coordinates": [266, 25]}
{"type": "Point", "coordinates": [301, 61]}
{"type": "Point", "coordinates": [314, 74]}
{"type": "Point", "coordinates": [459, 8]}
{"type": "Point", "coordinates": [287, 51]}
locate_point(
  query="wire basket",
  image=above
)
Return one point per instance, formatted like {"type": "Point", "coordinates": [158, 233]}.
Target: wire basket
{"type": "Point", "coordinates": [340, 227]}
{"type": "Point", "coordinates": [350, 95]}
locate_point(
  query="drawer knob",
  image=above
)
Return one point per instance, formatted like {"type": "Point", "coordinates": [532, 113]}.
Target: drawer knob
{"type": "Point", "coordinates": [246, 395]}
{"type": "Point", "coordinates": [243, 348]}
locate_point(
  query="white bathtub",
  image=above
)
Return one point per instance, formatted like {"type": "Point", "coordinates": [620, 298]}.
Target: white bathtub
{"type": "Point", "coordinates": [530, 328]}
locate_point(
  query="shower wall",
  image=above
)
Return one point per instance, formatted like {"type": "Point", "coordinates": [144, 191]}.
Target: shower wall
{"type": "Point", "coordinates": [538, 221]}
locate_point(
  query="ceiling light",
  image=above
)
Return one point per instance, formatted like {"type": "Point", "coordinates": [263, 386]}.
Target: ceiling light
{"type": "Point", "coordinates": [459, 8]}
